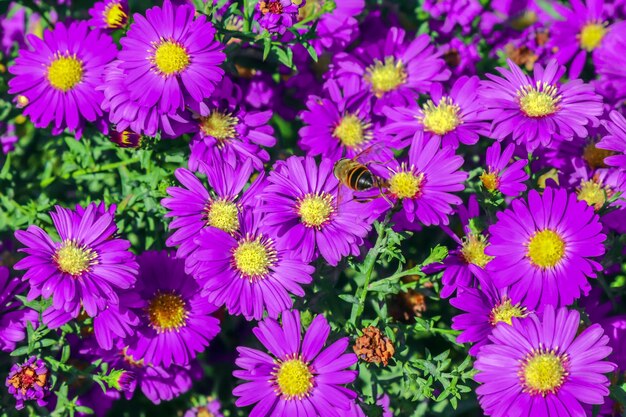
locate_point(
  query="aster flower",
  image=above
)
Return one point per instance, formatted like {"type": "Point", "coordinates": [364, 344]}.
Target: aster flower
{"type": "Point", "coordinates": [336, 28]}
{"type": "Point", "coordinates": [246, 271]}
{"type": "Point", "coordinates": [85, 267]}
{"type": "Point", "coordinates": [610, 61]}
{"type": "Point", "coordinates": [302, 207]}
{"type": "Point", "coordinates": [13, 319]}
{"type": "Point", "coordinates": [424, 184]}
{"type": "Point", "coordinates": [541, 367]}
{"type": "Point", "coordinates": [300, 377]}
{"type": "Point", "coordinates": [109, 14]}
{"type": "Point", "coordinates": [598, 187]}
{"type": "Point", "coordinates": [212, 408]}
{"type": "Point", "coordinates": [460, 57]}
{"type": "Point", "coordinates": [171, 59]}
{"type": "Point", "coordinates": [454, 12]}
{"type": "Point", "coordinates": [176, 322]}
{"type": "Point", "coordinates": [29, 381]}
{"type": "Point", "coordinates": [536, 110]}
{"type": "Point", "coordinates": [58, 76]}
{"type": "Point", "coordinates": [276, 15]}
{"type": "Point", "coordinates": [615, 141]}
{"type": "Point", "coordinates": [454, 118]}
{"type": "Point", "coordinates": [499, 175]}
{"type": "Point", "coordinates": [542, 248]}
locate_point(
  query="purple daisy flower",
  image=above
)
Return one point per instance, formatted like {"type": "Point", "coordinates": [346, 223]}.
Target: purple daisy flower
{"type": "Point", "coordinates": [596, 188]}
{"type": "Point", "coordinates": [276, 15]}
{"type": "Point", "coordinates": [337, 28]}
{"type": "Point", "coordinates": [395, 71]}
{"type": "Point", "coordinates": [542, 248]}
{"type": "Point", "coordinates": [213, 408]}
{"type": "Point", "coordinates": [170, 59]}
{"type": "Point", "coordinates": [300, 378]}
{"type": "Point", "coordinates": [453, 12]}
{"type": "Point", "coordinates": [85, 267]}
{"type": "Point", "coordinates": [29, 381]}
{"type": "Point", "coordinates": [246, 271]}
{"type": "Point", "coordinates": [59, 74]}
{"type": "Point", "coordinates": [424, 184]}
{"type": "Point", "coordinates": [176, 323]}
{"type": "Point", "coordinates": [460, 57]}
{"type": "Point", "coordinates": [109, 14]}
{"type": "Point", "coordinates": [615, 141]}
{"type": "Point", "coordinates": [454, 118]}
{"type": "Point", "coordinates": [13, 319]}
{"type": "Point", "coordinates": [303, 207]}
{"type": "Point", "coordinates": [502, 177]}
{"type": "Point", "coordinates": [535, 110]}
{"type": "Point", "coordinates": [610, 61]}
{"type": "Point", "coordinates": [542, 368]}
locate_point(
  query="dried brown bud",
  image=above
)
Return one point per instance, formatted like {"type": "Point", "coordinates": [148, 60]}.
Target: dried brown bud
{"type": "Point", "coordinates": [373, 346]}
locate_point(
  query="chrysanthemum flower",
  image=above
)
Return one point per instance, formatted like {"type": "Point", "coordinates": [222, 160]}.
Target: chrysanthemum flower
{"type": "Point", "coordinates": [535, 110]}
{"type": "Point", "coordinates": [542, 368]}
{"type": "Point", "coordinates": [13, 319]}
{"type": "Point", "coordinates": [542, 248]}
{"type": "Point", "coordinates": [171, 59]}
{"type": "Point", "coordinates": [176, 323]}
{"type": "Point", "coordinates": [246, 271]}
{"type": "Point", "coordinates": [615, 141]}
{"type": "Point", "coordinates": [109, 14]}
{"type": "Point", "coordinates": [454, 118]}
{"type": "Point", "coordinates": [59, 74]}
{"type": "Point", "coordinates": [85, 267]}
{"type": "Point", "coordinates": [425, 183]}
{"type": "Point", "coordinates": [29, 381]}
{"type": "Point", "coordinates": [300, 377]}
{"type": "Point", "coordinates": [277, 15]}
{"type": "Point", "coordinates": [499, 175]}
{"type": "Point", "coordinates": [302, 206]}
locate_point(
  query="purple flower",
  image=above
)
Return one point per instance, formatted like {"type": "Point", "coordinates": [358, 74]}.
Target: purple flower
{"type": "Point", "coordinates": [454, 118]}
{"type": "Point", "coordinates": [176, 322]}
{"type": "Point", "coordinates": [502, 177]}
{"type": "Point", "coordinates": [596, 188]}
{"type": "Point", "coordinates": [535, 110]}
{"type": "Point", "coordinates": [302, 207]}
{"type": "Point", "coordinates": [615, 141]}
{"type": "Point", "coordinates": [13, 319]}
{"type": "Point", "coordinates": [85, 267]}
{"type": "Point", "coordinates": [59, 74]}
{"type": "Point", "coordinates": [276, 15]}
{"type": "Point", "coordinates": [542, 368]}
{"type": "Point", "coordinates": [610, 61]}
{"type": "Point", "coordinates": [338, 27]}
{"type": "Point", "coordinates": [454, 12]}
{"type": "Point", "coordinates": [542, 248]}
{"type": "Point", "coordinates": [300, 377]}
{"type": "Point", "coordinates": [246, 271]}
{"type": "Point", "coordinates": [460, 58]}
{"type": "Point", "coordinates": [29, 381]}
{"type": "Point", "coordinates": [8, 137]}
{"type": "Point", "coordinates": [170, 59]}
{"type": "Point", "coordinates": [213, 408]}
{"type": "Point", "coordinates": [109, 14]}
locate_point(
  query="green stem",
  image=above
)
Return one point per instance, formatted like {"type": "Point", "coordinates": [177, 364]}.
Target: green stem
{"type": "Point", "coordinates": [103, 168]}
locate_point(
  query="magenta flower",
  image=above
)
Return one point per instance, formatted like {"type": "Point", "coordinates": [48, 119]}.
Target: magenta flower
{"type": "Point", "coordinates": [29, 381]}
{"type": "Point", "coordinates": [13, 318]}
{"type": "Point", "coordinates": [300, 377]}
{"type": "Point", "coordinates": [615, 141]}
{"type": "Point", "coordinates": [276, 15]}
{"type": "Point", "coordinates": [109, 14]}
{"type": "Point", "coordinates": [610, 61]}
{"type": "Point", "coordinates": [542, 248]}
{"type": "Point", "coordinates": [499, 175]}
{"type": "Point", "coordinates": [337, 28]}
{"type": "Point", "coordinates": [453, 13]}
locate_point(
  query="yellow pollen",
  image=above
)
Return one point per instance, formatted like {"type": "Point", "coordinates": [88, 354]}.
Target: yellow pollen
{"type": "Point", "coordinates": [294, 378]}
{"type": "Point", "coordinates": [171, 58]}
{"type": "Point", "coordinates": [591, 35]}
{"type": "Point", "coordinates": [490, 180]}
{"type": "Point", "coordinates": [473, 250]}
{"type": "Point", "coordinates": [224, 215]}
{"type": "Point", "coordinates": [167, 311]}
{"type": "Point", "coordinates": [442, 118]}
{"type": "Point", "coordinates": [593, 194]}
{"type": "Point", "coordinates": [595, 156]}
{"type": "Point", "coordinates": [219, 125]}
{"type": "Point", "coordinates": [65, 72]}
{"type": "Point", "coordinates": [505, 311]}
{"type": "Point", "coordinates": [74, 259]}
{"type": "Point", "coordinates": [539, 101]}
{"type": "Point", "coordinates": [253, 259]}
{"type": "Point", "coordinates": [386, 76]}
{"type": "Point", "coordinates": [543, 372]}
{"type": "Point", "coordinates": [405, 184]}
{"type": "Point", "coordinates": [315, 209]}
{"type": "Point", "coordinates": [351, 131]}
{"type": "Point", "coordinates": [546, 249]}
{"type": "Point", "coordinates": [115, 16]}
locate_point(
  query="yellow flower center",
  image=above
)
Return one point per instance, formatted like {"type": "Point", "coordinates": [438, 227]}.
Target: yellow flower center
{"type": "Point", "coordinates": [442, 118]}
{"type": "Point", "coordinates": [253, 259]}
{"type": "Point", "coordinates": [546, 249]}
{"type": "Point", "coordinates": [591, 35]}
{"type": "Point", "coordinates": [595, 156]}
{"type": "Point", "coordinates": [406, 184]}
{"type": "Point", "coordinates": [315, 209]}
{"type": "Point", "coordinates": [386, 76]}
{"type": "Point", "coordinates": [505, 311]}
{"type": "Point", "coordinates": [294, 378]}
{"type": "Point", "coordinates": [490, 180]}
{"type": "Point", "coordinates": [224, 215]}
{"type": "Point", "coordinates": [167, 311]}
{"type": "Point", "coordinates": [65, 72]}
{"type": "Point", "coordinates": [219, 125]}
{"type": "Point", "coordinates": [74, 259]}
{"type": "Point", "coordinates": [538, 101]}
{"type": "Point", "coordinates": [543, 372]}
{"type": "Point", "coordinates": [593, 194]}
{"type": "Point", "coordinates": [171, 58]}
{"type": "Point", "coordinates": [473, 250]}
{"type": "Point", "coordinates": [351, 131]}
{"type": "Point", "coordinates": [115, 16]}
